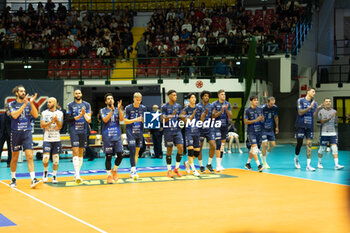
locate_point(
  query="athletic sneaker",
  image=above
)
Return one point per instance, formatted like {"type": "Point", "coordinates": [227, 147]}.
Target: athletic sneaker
{"type": "Point", "coordinates": [170, 174]}
{"type": "Point", "coordinates": [114, 175]}
{"type": "Point", "coordinates": [109, 179]}
{"type": "Point", "coordinates": [35, 183]}
{"type": "Point", "coordinates": [310, 169]}
{"type": "Point", "coordinates": [202, 169]}
{"type": "Point", "coordinates": [134, 175]}
{"type": "Point", "coordinates": [176, 171]}
{"type": "Point", "coordinates": [240, 151]}
{"type": "Point", "coordinates": [247, 166]}
{"type": "Point", "coordinates": [196, 173]}
{"type": "Point", "coordinates": [45, 178]}
{"type": "Point", "coordinates": [210, 168]}
{"type": "Point", "coordinates": [319, 165]}
{"type": "Point", "coordinates": [13, 183]}
{"type": "Point", "coordinates": [260, 168]}
{"type": "Point", "coordinates": [187, 167]}
{"type": "Point", "coordinates": [54, 180]}
{"type": "Point", "coordinates": [296, 163]}
{"type": "Point", "coordinates": [229, 151]}
{"type": "Point", "coordinates": [338, 167]}
{"type": "Point", "coordinates": [78, 179]}
{"type": "Point", "coordinates": [266, 166]}
{"type": "Point", "coordinates": [219, 168]}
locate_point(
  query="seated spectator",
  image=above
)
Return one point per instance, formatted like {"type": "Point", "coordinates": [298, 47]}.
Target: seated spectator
{"type": "Point", "coordinates": [77, 42]}
{"type": "Point", "coordinates": [101, 51]}
{"type": "Point", "coordinates": [53, 51]}
{"type": "Point", "coordinates": [83, 50]}
{"type": "Point", "coordinates": [162, 49]}
{"type": "Point", "coordinates": [175, 50]}
{"type": "Point", "coordinates": [72, 50]}
{"type": "Point", "coordinates": [175, 37]}
{"type": "Point", "coordinates": [63, 51]}
{"type": "Point", "coordinates": [152, 51]}
{"type": "Point", "coordinates": [191, 48]}
{"type": "Point", "coordinates": [201, 37]}
{"type": "Point", "coordinates": [184, 36]}
{"type": "Point", "coordinates": [221, 69]}
{"type": "Point", "coordinates": [187, 25]}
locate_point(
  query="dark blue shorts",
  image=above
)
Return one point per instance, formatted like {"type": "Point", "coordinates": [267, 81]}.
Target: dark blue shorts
{"type": "Point", "coordinates": [254, 139]}
{"type": "Point", "coordinates": [78, 140]}
{"type": "Point", "coordinates": [112, 147]}
{"type": "Point", "coordinates": [52, 147]}
{"type": "Point", "coordinates": [21, 139]}
{"type": "Point", "coordinates": [304, 132]}
{"type": "Point", "coordinates": [268, 136]}
{"type": "Point", "coordinates": [193, 140]}
{"type": "Point", "coordinates": [171, 139]}
{"type": "Point", "coordinates": [135, 140]}
{"type": "Point", "coordinates": [221, 133]}
{"type": "Point", "coordinates": [209, 135]}
{"type": "Point", "coordinates": [330, 139]}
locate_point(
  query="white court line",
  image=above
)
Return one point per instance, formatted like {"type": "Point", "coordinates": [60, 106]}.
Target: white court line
{"type": "Point", "coordinates": [61, 211]}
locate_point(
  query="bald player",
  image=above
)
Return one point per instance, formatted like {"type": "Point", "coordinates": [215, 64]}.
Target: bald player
{"type": "Point", "coordinates": [51, 122]}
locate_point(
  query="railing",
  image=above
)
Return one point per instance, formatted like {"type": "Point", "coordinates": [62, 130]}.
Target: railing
{"type": "Point", "coordinates": [333, 74]}
{"type": "Point", "coordinates": [342, 48]}
{"type": "Point", "coordinates": [300, 31]}
{"type": "Point", "coordinates": [143, 68]}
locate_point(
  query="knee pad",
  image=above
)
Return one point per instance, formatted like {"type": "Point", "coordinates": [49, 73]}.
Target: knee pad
{"type": "Point", "coordinates": [190, 152]}
{"type": "Point", "coordinates": [46, 158]}
{"type": "Point", "coordinates": [55, 159]}
{"type": "Point", "coordinates": [334, 149]}
{"type": "Point", "coordinates": [321, 149]}
{"type": "Point", "coordinates": [178, 158]}
{"type": "Point", "coordinates": [168, 159]}
{"type": "Point", "coordinates": [254, 150]}
{"type": "Point", "coordinates": [218, 144]}
{"type": "Point", "coordinates": [119, 158]}
{"type": "Point", "coordinates": [196, 153]}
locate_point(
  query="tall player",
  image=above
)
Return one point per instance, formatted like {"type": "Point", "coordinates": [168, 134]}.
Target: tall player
{"type": "Point", "coordinates": [192, 113]}
{"type": "Point", "coordinates": [79, 115]}
{"type": "Point", "coordinates": [221, 112]}
{"type": "Point", "coordinates": [172, 132]}
{"type": "Point", "coordinates": [206, 132]}
{"type": "Point", "coordinates": [328, 118]}
{"type": "Point", "coordinates": [21, 132]}
{"type": "Point", "coordinates": [253, 117]}
{"type": "Point", "coordinates": [51, 121]}
{"type": "Point", "coordinates": [111, 136]}
{"type": "Point", "coordinates": [134, 130]}
{"type": "Point", "coordinates": [270, 113]}
{"type": "Point", "coordinates": [307, 110]}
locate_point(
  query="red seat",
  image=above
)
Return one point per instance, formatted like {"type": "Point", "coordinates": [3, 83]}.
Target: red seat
{"type": "Point", "coordinates": [105, 73]}
{"type": "Point", "coordinates": [141, 70]}
{"type": "Point", "coordinates": [270, 11]}
{"type": "Point", "coordinates": [51, 73]}
{"type": "Point", "coordinates": [258, 12]}
{"type": "Point", "coordinates": [248, 12]}
{"type": "Point", "coordinates": [151, 71]}
{"type": "Point", "coordinates": [85, 73]}
{"type": "Point", "coordinates": [63, 73]}
{"type": "Point", "coordinates": [74, 73]}
{"type": "Point", "coordinates": [95, 73]}
{"type": "Point", "coordinates": [164, 71]}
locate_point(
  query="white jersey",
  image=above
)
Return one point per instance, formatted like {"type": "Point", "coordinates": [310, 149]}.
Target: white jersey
{"type": "Point", "coordinates": [51, 134]}
{"type": "Point", "coordinates": [328, 128]}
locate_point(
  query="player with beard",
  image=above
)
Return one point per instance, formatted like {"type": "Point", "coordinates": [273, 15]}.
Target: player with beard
{"type": "Point", "coordinates": [21, 132]}
{"type": "Point", "coordinates": [51, 121]}
{"type": "Point", "coordinates": [78, 115]}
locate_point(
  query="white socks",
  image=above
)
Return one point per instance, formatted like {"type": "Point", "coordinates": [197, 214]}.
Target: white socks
{"type": "Point", "coordinates": [76, 165]}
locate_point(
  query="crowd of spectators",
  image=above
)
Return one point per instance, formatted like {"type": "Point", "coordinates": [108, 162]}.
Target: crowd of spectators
{"type": "Point", "coordinates": [52, 31]}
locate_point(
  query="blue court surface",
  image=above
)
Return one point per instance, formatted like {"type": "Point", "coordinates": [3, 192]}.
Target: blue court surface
{"type": "Point", "coordinates": [281, 161]}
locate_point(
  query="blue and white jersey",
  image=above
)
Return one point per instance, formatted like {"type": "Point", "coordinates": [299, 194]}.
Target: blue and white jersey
{"type": "Point", "coordinates": [73, 108]}
{"type": "Point", "coordinates": [208, 116]}
{"type": "Point", "coordinates": [306, 120]}
{"type": "Point", "coordinates": [269, 115]}
{"type": "Point", "coordinates": [111, 129]}
{"type": "Point", "coordinates": [23, 122]}
{"type": "Point", "coordinates": [171, 126]}
{"type": "Point", "coordinates": [223, 117]}
{"type": "Point", "coordinates": [252, 114]}
{"type": "Point", "coordinates": [131, 113]}
{"type": "Point", "coordinates": [191, 128]}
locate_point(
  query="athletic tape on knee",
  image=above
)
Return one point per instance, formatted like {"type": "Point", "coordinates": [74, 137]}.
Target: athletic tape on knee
{"type": "Point", "coordinates": [168, 159]}
{"type": "Point", "coordinates": [321, 149]}
{"type": "Point", "coordinates": [334, 149]}
{"type": "Point", "coordinates": [254, 150]}
{"type": "Point", "coordinates": [46, 158]}
{"type": "Point", "coordinates": [178, 157]}
{"type": "Point", "coordinates": [196, 153]}
{"type": "Point", "coordinates": [55, 159]}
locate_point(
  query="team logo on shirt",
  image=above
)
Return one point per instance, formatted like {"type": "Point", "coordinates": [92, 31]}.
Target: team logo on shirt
{"type": "Point", "coordinates": [151, 120]}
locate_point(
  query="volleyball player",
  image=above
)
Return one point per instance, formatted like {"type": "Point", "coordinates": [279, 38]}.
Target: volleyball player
{"type": "Point", "coordinates": [191, 115]}
{"type": "Point", "coordinates": [172, 132]}
{"type": "Point", "coordinates": [253, 117]}
{"type": "Point", "coordinates": [111, 136]}
{"type": "Point", "coordinates": [78, 115]}
{"type": "Point", "coordinates": [51, 121]}
{"type": "Point", "coordinates": [221, 112]}
{"type": "Point", "coordinates": [206, 132]}
{"type": "Point", "coordinates": [134, 130]}
{"type": "Point", "coordinates": [270, 113]}
{"type": "Point", "coordinates": [21, 132]}
{"type": "Point", "coordinates": [307, 110]}
{"type": "Point", "coordinates": [328, 119]}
